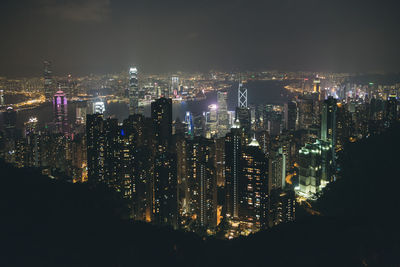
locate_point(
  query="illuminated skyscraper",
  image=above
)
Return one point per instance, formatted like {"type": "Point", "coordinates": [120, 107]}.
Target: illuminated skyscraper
{"type": "Point", "coordinates": [211, 121]}
{"type": "Point", "coordinates": [174, 91]}
{"type": "Point", "coordinates": [253, 186]}
{"type": "Point", "coordinates": [165, 189]}
{"type": "Point", "coordinates": [142, 155]}
{"type": "Point", "coordinates": [32, 142]}
{"type": "Point", "coordinates": [10, 123]}
{"type": "Point", "coordinates": [222, 113]}
{"type": "Point", "coordinates": [99, 107]}
{"type": "Point", "coordinates": [243, 115]}
{"type": "Point", "coordinates": [133, 91]}
{"type": "Point", "coordinates": [344, 126]}
{"type": "Point", "coordinates": [165, 169]}
{"type": "Point", "coordinates": [242, 96]}
{"type": "Point", "coordinates": [95, 148]}
{"type": "Point", "coordinates": [391, 109]}
{"type": "Point", "coordinates": [317, 86]}
{"type": "Point", "coordinates": [314, 167]}
{"type": "Point", "coordinates": [48, 80]}
{"type": "Point", "coordinates": [306, 111]}
{"type": "Point", "coordinates": [220, 161]}
{"type": "Point", "coordinates": [328, 120]}
{"type": "Point", "coordinates": [277, 169]}
{"type": "Point", "coordinates": [328, 123]}
{"type": "Point", "coordinates": [189, 124]}
{"type": "Point", "coordinates": [60, 109]}
{"type": "Point", "coordinates": [201, 179]}
{"type": "Point", "coordinates": [80, 113]}
{"type": "Point", "coordinates": [102, 138]}
{"type": "Point", "coordinates": [161, 114]}
{"type": "Point", "coordinates": [233, 151]}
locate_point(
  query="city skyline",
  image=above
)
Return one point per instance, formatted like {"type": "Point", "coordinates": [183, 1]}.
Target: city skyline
{"type": "Point", "coordinates": [200, 133]}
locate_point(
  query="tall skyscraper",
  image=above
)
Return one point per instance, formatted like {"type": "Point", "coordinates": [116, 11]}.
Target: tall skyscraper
{"type": "Point", "coordinates": [102, 139]}
{"type": "Point", "coordinates": [277, 169]}
{"type": "Point", "coordinates": [161, 114]}
{"type": "Point", "coordinates": [211, 121]}
{"type": "Point", "coordinates": [328, 119]}
{"type": "Point", "coordinates": [306, 111]}
{"type": "Point", "coordinates": [344, 126]}
{"type": "Point", "coordinates": [189, 124]}
{"type": "Point", "coordinates": [111, 134]}
{"type": "Point", "coordinates": [95, 148]}
{"type": "Point", "coordinates": [48, 80]}
{"type": "Point", "coordinates": [253, 187]}
{"type": "Point", "coordinates": [133, 91]}
{"type": "Point", "coordinates": [80, 113]}
{"type": "Point", "coordinates": [314, 167]}
{"type": "Point", "coordinates": [165, 189]}
{"type": "Point", "coordinates": [317, 85]}
{"type": "Point", "coordinates": [328, 124]}
{"type": "Point", "coordinates": [220, 161]}
{"type": "Point", "coordinates": [242, 96]}
{"type": "Point", "coordinates": [244, 117]}
{"type": "Point", "coordinates": [136, 166]}
{"type": "Point", "coordinates": [32, 142]}
{"type": "Point", "coordinates": [233, 151]}
{"type": "Point", "coordinates": [60, 109]}
{"type": "Point", "coordinates": [174, 91]}
{"type": "Point", "coordinates": [222, 113]}
{"type": "Point", "coordinates": [201, 179]}
{"type": "Point", "coordinates": [391, 109]}
{"type": "Point", "coordinates": [10, 123]}
{"type": "Point", "coordinates": [165, 171]}
{"type": "Point", "coordinates": [290, 113]}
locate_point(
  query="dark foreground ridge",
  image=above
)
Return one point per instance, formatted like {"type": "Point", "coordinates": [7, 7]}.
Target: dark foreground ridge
{"type": "Point", "coordinates": [52, 223]}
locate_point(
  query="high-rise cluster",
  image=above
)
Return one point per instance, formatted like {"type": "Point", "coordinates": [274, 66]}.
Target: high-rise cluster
{"type": "Point", "coordinates": [217, 171]}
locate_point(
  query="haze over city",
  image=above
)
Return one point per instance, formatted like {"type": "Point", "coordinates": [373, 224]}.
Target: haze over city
{"type": "Point", "coordinates": [103, 36]}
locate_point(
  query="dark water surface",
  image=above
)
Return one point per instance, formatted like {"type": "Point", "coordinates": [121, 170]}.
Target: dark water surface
{"type": "Point", "coordinates": [259, 92]}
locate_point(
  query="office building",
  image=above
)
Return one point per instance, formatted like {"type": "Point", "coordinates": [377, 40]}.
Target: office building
{"type": "Point", "coordinates": [253, 187]}
{"type": "Point", "coordinates": [314, 167]}
{"type": "Point", "coordinates": [48, 80]}
{"type": "Point", "coordinates": [233, 150]}
{"type": "Point", "coordinates": [201, 178]}
{"type": "Point", "coordinates": [222, 114]}
{"type": "Point", "coordinates": [133, 92]}
{"type": "Point", "coordinates": [60, 110]}
{"type": "Point", "coordinates": [328, 124]}
{"type": "Point", "coordinates": [244, 117]}
{"type": "Point", "coordinates": [290, 113]}
{"type": "Point", "coordinates": [174, 89]}
{"type": "Point", "coordinates": [161, 114]}
{"type": "Point", "coordinates": [165, 171]}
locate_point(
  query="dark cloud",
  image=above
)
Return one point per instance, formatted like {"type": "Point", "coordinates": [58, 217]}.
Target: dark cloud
{"type": "Point", "coordinates": [77, 11]}
{"type": "Point", "coordinates": [104, 36]}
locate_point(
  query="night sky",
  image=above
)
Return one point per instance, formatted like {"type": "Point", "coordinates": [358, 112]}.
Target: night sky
{"type": "Point", "coordinates": [98, 36]}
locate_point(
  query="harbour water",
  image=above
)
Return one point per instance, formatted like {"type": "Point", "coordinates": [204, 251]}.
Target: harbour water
{"type": "Point", "coordinates": [259, 92]}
